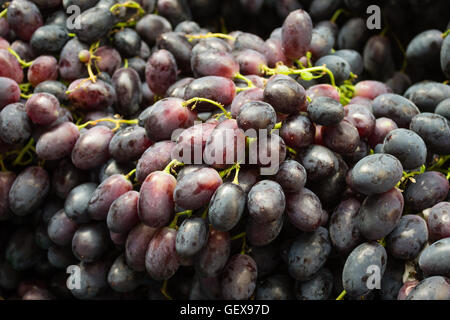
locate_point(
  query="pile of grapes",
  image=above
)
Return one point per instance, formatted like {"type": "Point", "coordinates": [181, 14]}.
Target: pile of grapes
{"type": "Point", "coordinates": [207, 149]}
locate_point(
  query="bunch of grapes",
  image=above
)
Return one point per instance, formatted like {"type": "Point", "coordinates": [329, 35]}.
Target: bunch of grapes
{"type": "Point", "coordinates": [165, 150]}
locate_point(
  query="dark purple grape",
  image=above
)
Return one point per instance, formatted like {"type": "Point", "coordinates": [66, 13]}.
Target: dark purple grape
{"type": "Point", "coordinates": [443, 109]}
{"type": "Point", "coordinates": [322, 41]}
{"type": "Point", "coordinates": [319, 287]}
{"type": "Point", "coordinates": [191, 237]}
{"type": "Point", "coordinates": [6, 181]}
{"type": "Point", "coordinates": [342, 138]}
{"type": "Point", "coordinates": [319, 162]}
{"type": "Point", "coordinates": [408, 237]}
{"type": "Point", "coordinates": [357, 270]}
{"type": "Point", "coordinates": [377, 56]}
{"type": "Point", "coordinates": [10, 67]}
{"type": "Point", "coordinates": [395, 107]}
{"type": "Point", "coordinates": [161, 259]}
{"type": "Point", "coordinates": [49, 39]}
{"type": "Point", "coordinates": [60, 257]}
{"type": "Point", "coordinates": [245, 40]}
{"type": "Point", "coordinates": [353, 58]}
{"type": "Point", "coordinates": [166, 116]}
{"type": "Point", "coordinates": [362, 118]}
{"type": "Point", "coordinates": [227, 206]}
{"type": "Point", "coordinates": [156, 200]}
{"type": "Point", "coordinates": [274, 287]}
{"type": "Point", "coordinates": [29, 190]}
{"type": "Point", "coordinates": [151, 26]}
{"type": "Point", "coordinates": [90, 241]}
{"type": "Point", "coordinates": [127, 85]}
{"type": "Point", "coordinates": [274, 52]}
{"type": "Point", "coordinates": [264, 233]}
{"type": "Point", "coordinates": [376, 173]}
{"type": "Point", "coordinates": [425, 48]}
{"type": "Point", "coordinates": [298, 131]}
{"type": "Point", "coordinates": [243, 97]}
{"type": "Point", "coordinates": [56, 88]}
{"type": "Point", "coordinates": [266, 201]}
{"type": "Point", "coordinates": [65, 177]}
{"type": "Point", "coordinates": [308, 253]}
{"type": "Point", "coordinates": [304, 210]}
{"type": "Point", "coordinates": [95, 23]}
{"type": "Point", "coordinates": [9, 92]}
{"type": "Point", "coordinates": [70, 66]}
{"type": "Point", "coordinates": [123, 213]}
{"type": "Point", "coordinates": [109, 59]}
{"type": "Point", "coordinates": [93, 278]}
{"type": "Point", "coordinates": [392, 280]}
{"type": "Point", "coordinates": [247, 178]}
{"type": "Point", "coordinates": [43, 68]}
{"type": "Point", "coordinates": [15, 126]}
{"type": "Point", "coordinates": [213, 257]}
{"type": "Point", "coordinates": [155, 158]}
{"type": "Point", "coordinates": [434, 260]}
{"type": "Point", "coordinates": [42, 108]}
{"type": "Point", "coordinates": [444, 57]}
{"type": "Point", "coordinates": [285, 95]}
{"type": "Point", "coordinates": [214, 63]}
{"type": "Point", "coordinates": [438, 221]}
{"type": "Point", "coordinates": [77, 202]}
{"type": "Point", "coordinates": [296, 34]}
{"type": "Point", "coordinates": [429, 189]}
{"type": "Point", "coordinates": [61, 229]}
{"type": "Point", "coordinates": [379, 214]}
{"type": "Point", "coordinates": [256, 115]}
{"type": "Point", "coordinates": [337, 65]}
{"type": "Point", "coordinates": [344, 233]}
{"type": "Point", "coordinates": [239, 278]}
{"type": "Point", "coordinates": [291, 176]}
{"type": "Point", "coordinates": [24, 18]}
{"type": "Point", "coordinates": [86, 95]}
{"type": "Point", "coordinates": [21, 251]}
{"type": "Point", "coordinates": [91, 149]}
{"type": "Point", "coordinates": [136, 246]}
{"type": "Point", "coordinates": [122, 278]}
{"type": "Point", "coordinates": [432, 288]}
{"type": "Point", "coordinates": [128, 42]}
{"type": "Point", "coordinates": [426, 95]}
{"type": "Point", "coordinates": [434, 130]}
{"type": "Point", "coordinates": [178, 89]}
{"type": "Point", "coordinates": [325, 111]}
{"type": "Point", "coordinates": [58, 142]}
{"type": "Point", "coordinates": [250, 61]}
{"type": "Point", "coordinates": [129, 144]}
{"type": "Point", "coordinates": [105, 194]}
{"type": "Point", "coordinates": [382, 127]}
{"type": "Point", "coordinates": [161, 71]}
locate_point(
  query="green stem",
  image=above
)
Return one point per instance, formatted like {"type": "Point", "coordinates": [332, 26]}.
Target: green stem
{"type": "Point", "coordinates": [164, 290]}
{"type": "Point", "coordinates": [128, 4]}
{"type": "Point", "coordinates": [278, 125]}
{"type": "Point", "coordinates": [171, 165]}
{"type": "Point", "coordinates": [2, 164]}
{"type": "Point", "coordinates": [23, 63]}
{"type": "Point", "coordinates": [173, 224]}
{"type": "Point", "coordinates": [337, 14]}
{"type": "Point", "coordinates": [243, 78]}
{"type": "Point", "coordinates": [209, 35]}
{"type": "Point", "coordinates": [442, 160]}
{"type": "Point", "coordinates": [217, 104]}
{"type": "Point", "coordinates": [3, 13]}
{"type": "Point", "coordinates": [205, 213]}
{"type": "Point", "coordinates": [342, 295]}
{"type": "Point", "coordinates": [243, 236]}
{"type": "Point", "coordinates": [72, 35]}
{"type": "Point", "coordinates": [291, 150]}
{"type": "Point", "coordinates": [382, 242]}
{"type": "Point", "coordinates": [116, 121]}
{"type": "Point", "coordinates": [236, 174]}
{"type": "Point", "coordinates": [446, 33]}
{"type": "Point", "coordinates": [227, 171]}
{"type": "Point", "coordinates": [27, 147]}
{"type": "Point", "coordinates": [129, 174]}
{"type": "Point", "coordinates": [125, 63]}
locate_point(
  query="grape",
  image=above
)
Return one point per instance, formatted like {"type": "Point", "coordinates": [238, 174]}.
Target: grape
{"type": "Point", "coordinates": [29, 190]}
{"type": "Point", "coordinates": [406, 289]}
{"type": "Point", "coordinates": [438, 221]}
{"type": "Point", "coordinates": [129, 144]}
{"type": "Point", "coordinates": [408, 238]}
{"type": "Point", "coordinates": [156, 200]}
{"type": "Point", "coordinates": [155, 158]}
{"type": "Point", "coordinates": [266, 201]}
{"type": "Point", "coordinates": [296, 34]}
{"type": "Point", "coordinates": [191, 237]}
{"type": "Point", "coordinates": [377, 56]}
{"type": "Point", "coordinates": [245, 40]}
{"type": "Point", "coordinates": [322, 41]}
{"type": "Point", "coordinates": [291, 176]}
{"type": "Point", "coordinates": [53, 87]}
{"type": "Point", "coordinates": [4, 30]}
{"type": "Point", "coordinates": [109, 59]}
{"type": "Point", "coordinates": [6, 181]}
{"type": "Point", "coordinates": [325, 111]}
{"type": "Point", "coordinates": [61, 229]}
{"type": "Point", "coordinates": [122, 278]}
{"type": "Point", "coordinates": [382, 127]}
{"type": "Point", "coordinates": [227, 206]}
{"type": "Point", "coordinates": [128, 42]}
{"type": "Point", "coordinates": [444, 57]}
{"type": "Point", "coordinates": [89, 242]}
{"type": "Point", "coordinates": [432, 288]}
{"type": "Point", "coordinates": [37, 294]}
{"type": "Point", "coordinates": [342, 138]}
{"type": "Point", "coordinates": [356, 269]}
{"type": "Point", "coordinates": [337, 65]}
{"type": "Point", "coordinates": [429, 189]}
{"type": "Point", "coordinates": [362, 118]}
{"type": "Point", "coordinates": [443, 109]}
{"type": "Point", "coordinates": [10, 67]}
{"type": "Point", "coordinates": [105, 194]}
{"type": "Point", "coordinates": [370, 89]}
{"type": "Point", "coordinates": [434, 260]}
{"type": "Point", "coordinates": [113, 167]}
{"type": "Point", "coordinates": [136, 246]}
{"type": "Point", "coordinates": [376, 174]}
{"type": "Point", "coordinates": [9, 92]}
{"type": "Point", "coordinates": [253, 94]}
{"type": "Point", "coordinates": [344, 232]}
{"type": "Point", "coordinates": [285, 95]}
{"type": "Point", "coordinates": [304, 210]}
{"type": "Point", "coordinates": [14, 124]}
{"type": "Point", "coordinates": [256, 115]}
{"type": "Point", "coordinates": [95, 23]}
{"type": "Point", "coordinates": [263, 233]}
{"type": "Point", "coordinates": [123, 213]}
{"type": "Point", "coordinates": [91, 149]}
{"type": "Point", "coordinates": [434, 130]}
{"type": "Point", "coordinates": [127, 85]}
{"type": "Point", "coordinates": [407, 146]}
{"type": "Point", "coordinates": [225, 145]}
{"type": "Point", "coordinates": [60, 257]}
{"type": "Point", "coordinates": [213, 257]}
{"type": "Point", "coordinates": [427, 95]}
{"type": "Point", "coordinates": [49, 39]}
{"type": "Point", "coordinates": [42, 108]}
{"type": "Point", "coordinates": [274, 52]}
{"type": "Point", "coordinates": [308, 253]}
{"type": "Point", "coordinates": [219, 89]}
{"type": "Point", "coordinates": [65, 177]}
{"type": "Point", "coordinates": [195, 190]}
{"type": "Point", "coordinates": [353, 34]}
{"type": "Point", "coordinates": [93, 278]}
{"type": "Point", "coordinates": [318, 161]}
{"type": "Point", "coordinates": [187, 27]}
{"type": "Point", "coordinates": [399, 82]}
{"type": "Point", "coordinates": [424, 49]}
{"type": "Point", "coordinates": [43, 68]}
{"type": "Point", "coordinates": [275, 287]}
{"type": "Point", "coordinates": [161, 71]}
{"type": "Point", "coordinates": [392, 280]}
{"type": "Point", "coordinates": [395, 107]}
{"type": "Point", "coordinates": [178, 89]}
{"type": "Point", "coordinates": [250, 61]}
{"type": "Point", "coordinates": [21, 251]}
{"type": "Point", "coordinates": [24, 18]}
{"type": "Point", "coordinates": [323, 90]}
{"type": "Point", "coordinates": [298, 131]}
{"type": "Point", "coordinates": [214, 63]}
{"type": "Point", "coordinates": [318, 288]}
{"type": "Point", "coordinates": [166, 116]}
{"type": "Point", "coordinates": [179, 46]}
{"type": "Point", "coordinates": [58, 141]}
{"type": "Point", "coordinates": [87, 95]}
{"type": "Point", "coordinates": [70, 66]}
{"type": "Point", "coordinates": [215, 44]}
{"type": "Point", "coordinates": [161, 259]}
{"type": "Point", "coordinates": [239, 278]}
{"type": "Point", "coordinates": [353, 58]}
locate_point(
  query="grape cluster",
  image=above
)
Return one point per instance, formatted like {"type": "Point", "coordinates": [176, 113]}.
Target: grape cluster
{"type": "Point", "coordinates": [146, 152]}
